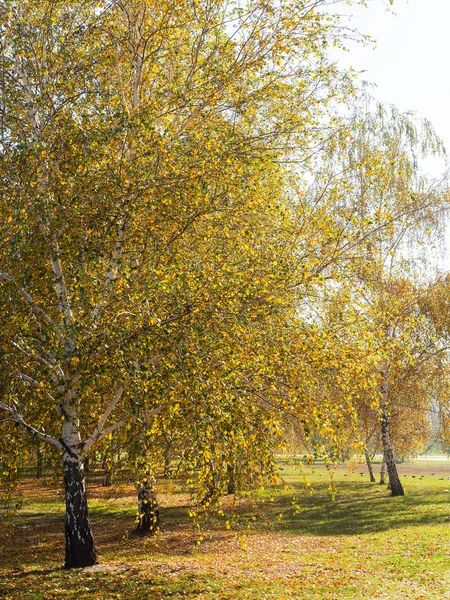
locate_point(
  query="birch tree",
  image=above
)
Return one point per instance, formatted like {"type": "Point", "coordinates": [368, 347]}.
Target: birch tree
{"type": "Point", "coordinates": [142, 195]}
{"type": "Point", "coordinates": [383, 174]}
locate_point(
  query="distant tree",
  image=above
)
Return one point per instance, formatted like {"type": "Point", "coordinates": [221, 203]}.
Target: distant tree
{"type": "Point", "coordinates": [377, 304]}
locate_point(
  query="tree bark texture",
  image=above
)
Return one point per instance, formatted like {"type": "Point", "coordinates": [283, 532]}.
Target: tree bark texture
{"type": "Point", "coordinates": [383, 472]}
{"type": "Point", "coordinates": [80, 549]}
{"type": "Point", "coordinates": [369, 464]}
{"type": "Point", "coordinates": [148, 510]}
{"type": "Point", "coordinates": [394, 480]}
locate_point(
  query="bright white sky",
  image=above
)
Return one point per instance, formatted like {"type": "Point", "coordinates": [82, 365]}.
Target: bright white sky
{"type": "Point", "coordinates": [409, 63]}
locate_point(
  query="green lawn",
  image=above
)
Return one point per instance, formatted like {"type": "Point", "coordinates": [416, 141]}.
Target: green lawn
{"type": "Point", "coordinates": [283, 543]}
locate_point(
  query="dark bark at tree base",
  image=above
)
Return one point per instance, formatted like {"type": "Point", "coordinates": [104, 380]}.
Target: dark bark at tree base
{"type": "Point", "coordinates": [80, 549]}
{"type": "Point", "coordinates": [383, 472]}
{"type": "Point", "coordinates": [148, 510]}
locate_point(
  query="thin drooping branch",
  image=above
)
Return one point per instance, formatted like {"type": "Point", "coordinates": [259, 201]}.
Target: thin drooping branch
{"type": "Point", "coordinates": [28, 299]}
{"type": "Point", "coordinates": [49, 362]}
{"type": "Point", "coordinates": [141, 330]}
{"type": "Point", "coordinates": [43, 437]}
{"type": "Point", "coordinates": [35, 384]}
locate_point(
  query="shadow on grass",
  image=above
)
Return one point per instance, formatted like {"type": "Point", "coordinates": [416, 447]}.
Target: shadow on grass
{"type": "Point", "coordinates": [38, 572]}
{"type": "Point", "coordinates": [359, 508]}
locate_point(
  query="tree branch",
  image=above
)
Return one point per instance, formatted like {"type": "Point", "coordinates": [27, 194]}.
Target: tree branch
{"type": "Point", "coordinates": [49, 362]}
{"type": "Point", "coordinates": [31, 302]}
{"type": "Point", "coordinates": [98, 435]}
{"type": "Point", "coordinates": [35, 384]}
{"type": "Point", "coordinates": [16, 418]}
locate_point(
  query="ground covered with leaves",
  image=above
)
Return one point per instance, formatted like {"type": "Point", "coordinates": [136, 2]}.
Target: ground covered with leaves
{"type": "Point", "coordinates": [329, 537]}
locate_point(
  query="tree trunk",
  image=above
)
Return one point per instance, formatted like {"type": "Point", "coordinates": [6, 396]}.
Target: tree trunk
{"type": "Point", "coordinates": [167, 463]}
{"type": "Point", "coordinates": [107, 481]}
{"type": "Point", "coordinates": [80, 550]}
{"type": "Point", "coordinates": [231, 488]}
{"type": "Point", "coordinates": [383, 472]}
{"type": "Point", "coordinates": [39, 468]}
{"type": "Point", "coordinates": [394, 480]}
{"type": "Point", "coordinates": [369, 464]}
{"type": "Point", "coordinates": [148, 511]}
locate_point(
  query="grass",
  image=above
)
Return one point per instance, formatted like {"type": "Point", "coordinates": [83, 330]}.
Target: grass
{"type": "Point", "coordinates": [284, 543]}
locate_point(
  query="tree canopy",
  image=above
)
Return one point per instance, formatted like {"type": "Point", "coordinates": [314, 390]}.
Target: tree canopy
{"type": "Point", "coordinates": [181, 205]}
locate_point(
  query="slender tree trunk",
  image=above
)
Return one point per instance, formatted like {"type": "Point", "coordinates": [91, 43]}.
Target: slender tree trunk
{"type": "Point", "coordinates": [231, 488]}
{"type": "Point", "coordinates": [80, 550]}
{"type": "Point", "coordinates": [369, 464]}
{"type": "Point", "coordinates": [167, 462]}
{"type": "Point", "coordinates": [148, 510]}
{"type": "Point", "coordinates": [39, 468]}
{"type": "Point", "coordinates": [107, 481]}
{"type": "Point", "coordinates": [394, 480]}
{"type": "Point", "coordinates": [383, 472]}
{"type": "Point", "coordinates": [211, 488]}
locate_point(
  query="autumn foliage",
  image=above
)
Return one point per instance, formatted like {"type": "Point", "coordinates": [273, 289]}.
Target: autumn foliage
{"type": "Point", "coordinates": [197, 248]}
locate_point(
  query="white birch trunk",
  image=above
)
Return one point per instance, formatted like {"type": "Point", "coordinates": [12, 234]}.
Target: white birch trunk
{"type": "Point", "coordinates": [80, 549]}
